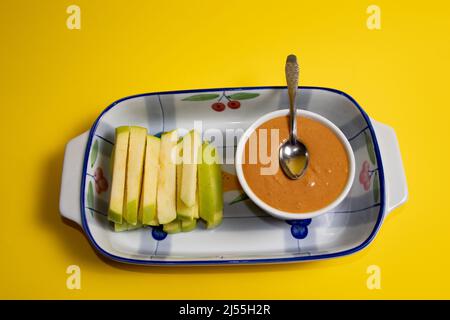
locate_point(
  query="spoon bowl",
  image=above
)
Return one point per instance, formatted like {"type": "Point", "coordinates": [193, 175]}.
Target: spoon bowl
{"type": "Point", "coordinates": [293, 158]}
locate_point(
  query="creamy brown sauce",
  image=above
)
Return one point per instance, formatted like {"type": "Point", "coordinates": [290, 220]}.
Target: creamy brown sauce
{"type": "Point", "coordinates": [324, 179]}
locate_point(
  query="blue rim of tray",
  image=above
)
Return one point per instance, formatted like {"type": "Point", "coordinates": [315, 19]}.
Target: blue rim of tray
{"type": "Point", "coordinates": [234, 261]}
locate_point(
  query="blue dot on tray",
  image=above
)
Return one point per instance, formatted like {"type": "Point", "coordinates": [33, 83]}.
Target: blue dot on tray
{"type": "Point", "coordinates": [158, 233]}
{"type": "Point", "coordinates": [299, 231]}
{"type": "Point", "coordinates": [303, 222]}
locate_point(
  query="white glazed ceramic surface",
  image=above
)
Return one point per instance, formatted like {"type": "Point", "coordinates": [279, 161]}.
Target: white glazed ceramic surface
{"type": "Point", "coordinates": [247, 234]}
{"type": "Point", "coordinates": [274, 211]}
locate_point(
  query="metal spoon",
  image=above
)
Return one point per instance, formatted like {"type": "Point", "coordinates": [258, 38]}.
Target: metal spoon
{"type": "Point", "coordinates": [293, 153]}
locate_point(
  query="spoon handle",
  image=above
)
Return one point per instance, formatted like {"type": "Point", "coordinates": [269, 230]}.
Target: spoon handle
{"type": "Point", "coordinates": [292, 71]}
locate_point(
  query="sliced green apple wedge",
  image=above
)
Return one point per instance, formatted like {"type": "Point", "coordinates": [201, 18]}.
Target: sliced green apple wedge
{"type": "Point", "coordinates": [147, 209]}
{"type": "Point", "coordinates": [166, 191]}
{"type": "Point", "coordinates": [210, 186]}
{"type": "Point", "coordinates": [173, 226]}
{"type": "Point", "coordinates": [195, 207]}
{"type": "Point", "coordinates": [188, 225]}
{"type": "Point", "coordinates": [124, 226]}
{"type": "Point", "coordinates": [119, 167]}
{"type": "Point", "coordinates": [135, 166]}
{"type": "Point", "coordinates": [191, 149]}
{"type": "Point", "coordinates": [215, 221]}
{"type": "Point", "coordinates": [183, 211]}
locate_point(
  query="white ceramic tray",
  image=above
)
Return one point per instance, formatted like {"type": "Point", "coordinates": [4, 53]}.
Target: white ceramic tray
{"type": "Point", "coordinates": [247, 234]}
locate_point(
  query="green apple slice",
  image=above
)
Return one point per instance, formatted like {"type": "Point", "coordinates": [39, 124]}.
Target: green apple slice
{"type": "Point", "coordinates": [124, 226]}
{"type": "Point", "coordinates": [188, 225]}
{"type": "Point", "coordinates": [183, 211]}
{"type": "Point", "coordinates": [147, 209]}
{"type": "Point", "coordinates": [191, 150]}
{"type": "Point", "coordinates": [166, 190]}
{"type": "Point", "coordinates": [216, 220]}
{"type": "Point", "coordinates": [153, 221]}
{"type": "Point", "coordinates": [210, 185]}
{"type": "Point", "coordinates": [135, 166]}
{"type": "Point", "coordinates": [172, 227]}
{"type": "Point", "coordinates": [119, 167]}
{"type": "Point", "coordinates": [195, 207]}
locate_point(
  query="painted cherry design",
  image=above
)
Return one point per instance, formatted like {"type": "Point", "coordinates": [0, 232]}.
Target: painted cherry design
{"type": "Point", "coordinates": [101, 184]}
{"type": "Point", "coordinates": [231, 100]}
{"type": "Point", "coordinates": [218, 106]}
{"type": "Point", "coordinates": [233, 104]}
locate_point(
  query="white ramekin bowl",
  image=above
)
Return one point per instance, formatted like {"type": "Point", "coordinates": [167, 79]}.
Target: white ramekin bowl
{"type": "Point", "coordinates": [280, 213]}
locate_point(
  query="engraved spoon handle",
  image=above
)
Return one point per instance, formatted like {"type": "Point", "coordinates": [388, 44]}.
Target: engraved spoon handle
{"type": "Point", "coordinates": [292, 74]}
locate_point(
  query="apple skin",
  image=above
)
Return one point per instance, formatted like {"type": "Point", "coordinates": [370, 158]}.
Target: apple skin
{"type": "Point", "coordinates": [172, 227]}
{"type": "Point", "coordinates": [218, 216]}
{"type": "Point", "coordinates": [132, 209]}
{"type": "Point", "coordinates": [188, 225]}
{"type": "Point", "coordinates": [149, 217]}
{"type": "Point", "coordinates": [119, 227]}
{"type": "Point", "coordinates": [118, 169]}
{"type": "Point", "coordinates": [210, 186]}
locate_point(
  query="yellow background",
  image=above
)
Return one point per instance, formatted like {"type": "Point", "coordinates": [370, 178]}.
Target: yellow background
{"type": "Point", "coordinates": [55, 81]}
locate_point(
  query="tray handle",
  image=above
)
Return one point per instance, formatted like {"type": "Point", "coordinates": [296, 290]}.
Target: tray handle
{"type": "Point", "coordinates": [394, 173]}
{"type": "Point", "coordinates": [69, 201]}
